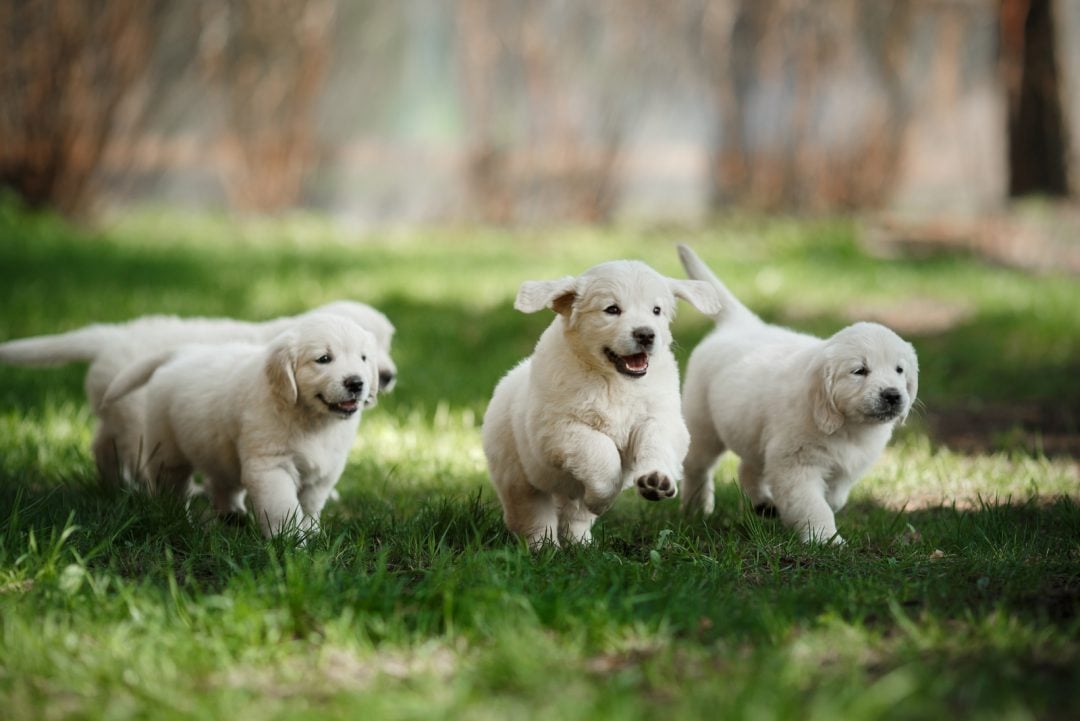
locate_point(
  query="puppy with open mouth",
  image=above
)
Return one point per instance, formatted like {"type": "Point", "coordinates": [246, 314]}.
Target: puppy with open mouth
{"type": "Point", "coordinates": [271, 422]}
{"type": "Point", "coordinates": [595, 409]}
{"type": "Point", "coordinates": [807, 416]}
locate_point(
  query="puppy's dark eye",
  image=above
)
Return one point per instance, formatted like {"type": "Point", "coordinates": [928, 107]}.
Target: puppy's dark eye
{"type": "Point", "coordinates": [899, 370]}
{"type": "Point", "coordinates": [363, 358]}
{"type": "Point", "coordinates": [656, 310]}
{"type": "Point", "coordinates": [613, 310]}
{"type": "Point", "coordinates": [324, 359]}
{"type": "Point", "coordinates": [861, 371]}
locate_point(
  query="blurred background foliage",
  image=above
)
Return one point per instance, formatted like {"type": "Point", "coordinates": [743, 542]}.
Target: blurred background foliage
{"type": "Point", "coordinates": [542, 111]}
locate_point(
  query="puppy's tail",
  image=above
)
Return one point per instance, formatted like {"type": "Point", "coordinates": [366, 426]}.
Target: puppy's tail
{"type": "Point", "coordinates": [82, 344]}
{"type": "Point", "coordinates": [731, 308]}
{"type": "Point", "coordinates": [135, 376]}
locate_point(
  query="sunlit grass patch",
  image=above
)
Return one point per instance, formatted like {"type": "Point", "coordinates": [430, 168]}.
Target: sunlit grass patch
{"type": "Point", "coordinates": [51, 443]}
{"type": "Point", "coordinates": [440, 445]}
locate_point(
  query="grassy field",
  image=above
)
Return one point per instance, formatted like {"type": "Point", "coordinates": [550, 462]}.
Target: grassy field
{"type": "Point", "coordinates": [956, 596]}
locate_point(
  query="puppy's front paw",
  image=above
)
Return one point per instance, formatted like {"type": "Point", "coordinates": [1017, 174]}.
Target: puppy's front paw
{"type": "Point", "coordinates": [823, 536]}
{"type": "Point", "coordinates": [656, 486]}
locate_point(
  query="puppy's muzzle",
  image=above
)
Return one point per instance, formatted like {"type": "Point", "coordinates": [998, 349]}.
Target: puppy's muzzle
{"type": "Point", "coordinates": [354, 385]}
{"type": "Point", "coordinates": [889, 405]}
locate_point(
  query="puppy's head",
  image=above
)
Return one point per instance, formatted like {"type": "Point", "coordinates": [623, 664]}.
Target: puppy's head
{"type": "Point", "coordinates": [867, 375]}
{"type": "Point", "coordinates": [378, 325]}
{"type": "Point", "coordinates": [617, 314]}
{"type": "Point", "coordinates": [325, 364]}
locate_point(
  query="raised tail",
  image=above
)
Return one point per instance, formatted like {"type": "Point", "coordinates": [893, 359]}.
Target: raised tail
{"type": "Point", "coordinates": [135, 376]}
{"type": "Point", "coordinates": [731, 308]}
{"type": "Point", "coordinates": [83, 344]}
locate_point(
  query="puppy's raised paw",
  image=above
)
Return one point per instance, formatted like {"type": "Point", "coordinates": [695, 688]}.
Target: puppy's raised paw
{"type": "Point", "coordinates": [656, 486]}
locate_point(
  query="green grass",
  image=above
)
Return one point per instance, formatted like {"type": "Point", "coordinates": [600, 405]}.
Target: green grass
{"type": "Point", "coordinates": [956, 595]}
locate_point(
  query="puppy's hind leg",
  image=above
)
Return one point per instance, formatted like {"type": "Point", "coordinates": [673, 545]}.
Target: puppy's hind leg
{"type": "Point", "coordinates": [164, 469]}
{"type": "Point", "coordinates": [755, 488]}
{"type": "Point", "coordinates": [107, 458]}
{"type": "Point", "coordinates": [530, 512]}
{"type": "Point", "coordinates": [705, 448]}
{"type": "Point", "coordinates": [227, 499]}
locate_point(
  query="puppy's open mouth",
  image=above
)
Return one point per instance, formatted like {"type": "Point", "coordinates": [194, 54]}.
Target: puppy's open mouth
{"type": "Point", "coordinates": [634, 366]}
{"type": "Point", "coordinates": [344, 408]}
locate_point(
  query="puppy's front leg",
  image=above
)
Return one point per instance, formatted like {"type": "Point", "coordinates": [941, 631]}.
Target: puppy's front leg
{"type": "Point", "coordinates": [799, 493]}
{"type": "Point", "coordinates": [312, 499]}
{"type": "Point", "coordinates": [272, 488]}
{"type": "Point", "coordinates": [593, 460]}
{"type": "Point", "coordinates": [658, 451]}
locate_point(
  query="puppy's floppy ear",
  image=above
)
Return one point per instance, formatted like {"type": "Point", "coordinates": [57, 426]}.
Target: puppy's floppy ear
{"type": "Point", "coordinates": [281, 368]}
{"type": "Point", "coordinates": [698, 293]}
{"type": "Point", "coordinates": [911, 379]}
{"type": "Point", "coordinates": [827, 417]}
{"type": "Point", "coordinates": [373, 387]}
{"type": "Point", "coordinates": [558, 295]}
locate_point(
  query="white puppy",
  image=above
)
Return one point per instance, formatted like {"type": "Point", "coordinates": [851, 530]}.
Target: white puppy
{"type": "Point", "coordinates": [595, 409]}
{"type": "Point", "coordinates": [806, 416]}
{"type": "Point", "coordinates": [110, 348]}
{"type": "Point", "coordinates": [273, 421]}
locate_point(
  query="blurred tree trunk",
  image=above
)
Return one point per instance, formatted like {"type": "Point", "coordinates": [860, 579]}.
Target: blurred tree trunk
{"type": "Point", "coordinates": [1037, 144]}
{"type": "Point", "coordinates": [487, 194]}
{"type": "Point", "coordinates": [67, 67]}
{"type": "Point", "coordinates": [808, 104]}
{"type": "Point", "coordinates": [510, 58]}
{"type": "Point", "coordinates": [77, 77]}
{"type": "Point", "coordinates": [271, 59]}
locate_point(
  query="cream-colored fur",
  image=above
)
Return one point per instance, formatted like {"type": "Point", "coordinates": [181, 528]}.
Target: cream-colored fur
{"type": "Point", "coordinates": [595, 409]}
{"type": "Point", "coordinates": [110, 348]}
{"type": "Point", "coordinates": [272, 421]}
{"type": "Point", "coordinates": [806, 416]}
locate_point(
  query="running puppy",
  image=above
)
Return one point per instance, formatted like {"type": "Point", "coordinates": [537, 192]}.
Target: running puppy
{"type": "Point", "coordinates": [807, 417]}
{"type": "Point", "coordinates": [595, 409]}
{"type": "Point", "coordinates": [273, 421]}
{"type": "Point", "coordinates": [112, 347]}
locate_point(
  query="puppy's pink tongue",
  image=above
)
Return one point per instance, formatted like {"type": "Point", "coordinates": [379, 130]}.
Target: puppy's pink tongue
{"type": "Point", "coordinates": [636, 363]}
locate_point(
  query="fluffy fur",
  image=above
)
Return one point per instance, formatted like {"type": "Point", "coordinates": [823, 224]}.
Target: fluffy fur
{"type": "Point", "coordinates": [806, 416]}
{"type": "Point", "coordinates": [274, 422]}
{"type": "Point", "coordinates": [110, 348]}
{"type": "Point", "coordinates": [595, 409]}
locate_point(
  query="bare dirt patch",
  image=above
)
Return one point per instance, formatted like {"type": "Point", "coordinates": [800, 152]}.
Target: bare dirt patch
{"type": "Point", "coordinates": [1040, 240]}
{"type": "Point", "coordinates": [913, 316]}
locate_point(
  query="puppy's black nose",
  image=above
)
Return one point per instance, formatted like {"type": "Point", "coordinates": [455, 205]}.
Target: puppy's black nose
{"type": "Point", "coordinates": [386, 380]}
{"type": "Point", "coordinates": [644, 336]}
{"type": "Point", "coordinates": [353, 384]}
{"type": "Point", "coordinates": [891, 396]}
